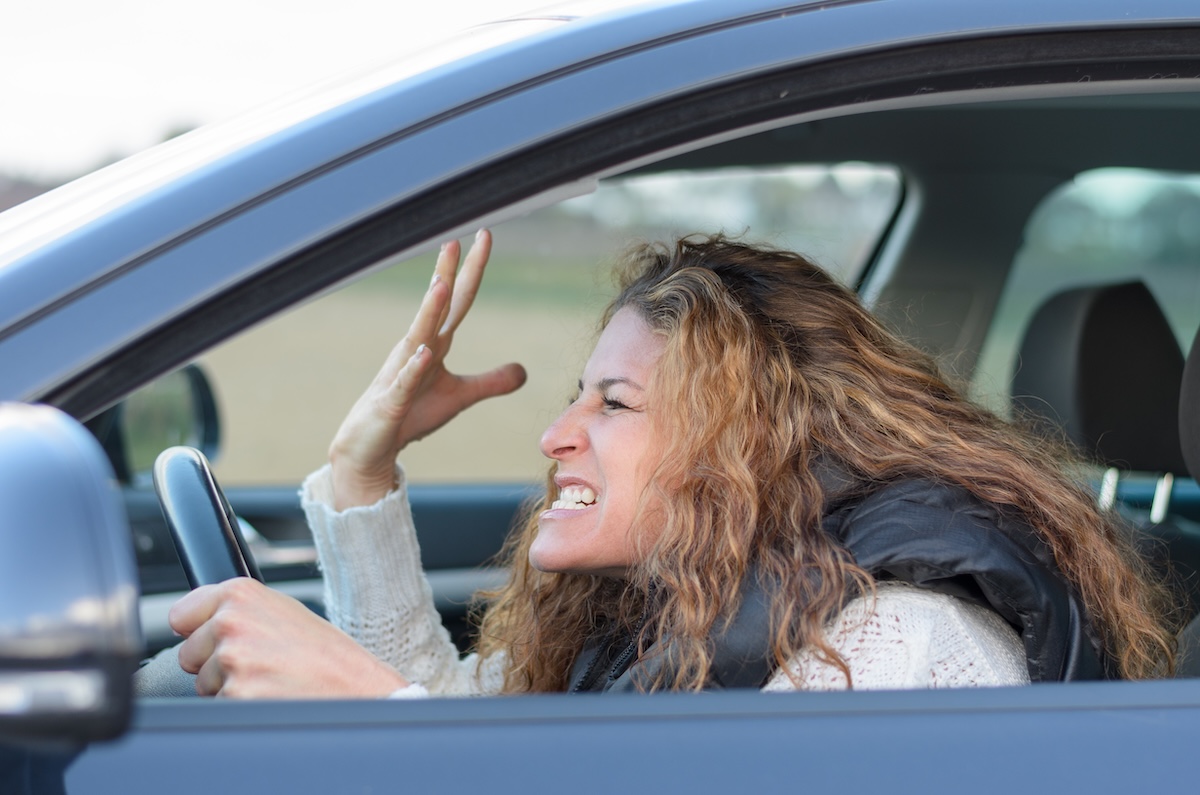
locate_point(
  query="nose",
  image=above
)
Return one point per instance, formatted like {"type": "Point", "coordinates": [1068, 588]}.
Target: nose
{"type": "Point", "coordinates": [564, 436]}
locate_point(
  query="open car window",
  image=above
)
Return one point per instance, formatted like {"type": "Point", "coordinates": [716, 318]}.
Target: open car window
{"type": "Point", "coordinates": [282, 388]}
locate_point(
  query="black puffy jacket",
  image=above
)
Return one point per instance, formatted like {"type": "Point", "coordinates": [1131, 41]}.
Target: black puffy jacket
{"type": "Point", "coordinates": [934, 536]}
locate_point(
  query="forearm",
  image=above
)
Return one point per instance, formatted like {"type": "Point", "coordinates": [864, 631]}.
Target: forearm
{"type": "Point", "coordinates": [376, 592]}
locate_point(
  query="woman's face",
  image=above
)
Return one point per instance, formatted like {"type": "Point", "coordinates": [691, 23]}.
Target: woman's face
{"type": "Point", "coordinates": [602, 444]}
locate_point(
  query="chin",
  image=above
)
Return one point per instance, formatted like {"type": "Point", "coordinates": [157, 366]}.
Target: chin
{"type": "Point", "coordinates": [547, 561]}
{"type": "Point", "coordinates": [553, 562]}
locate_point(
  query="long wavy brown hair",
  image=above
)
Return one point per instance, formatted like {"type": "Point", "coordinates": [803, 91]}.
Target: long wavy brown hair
{"type": "Point", "coordinates": [770, 366]}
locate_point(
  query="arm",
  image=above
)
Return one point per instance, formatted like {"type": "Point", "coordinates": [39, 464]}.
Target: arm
{"type": "Point", "coordinates": [910, 638]}
{"type": "Point", "coordinates": [245, 640]}
{"type": "Point", "coordinates": [376, 592]}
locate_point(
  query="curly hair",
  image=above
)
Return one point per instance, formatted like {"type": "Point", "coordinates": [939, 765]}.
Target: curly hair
{"type": "Point", "coordinates": [770, 366]}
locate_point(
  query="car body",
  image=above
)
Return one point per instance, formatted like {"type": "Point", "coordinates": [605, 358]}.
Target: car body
{"type": "Point", "coordinates": [985, 108]}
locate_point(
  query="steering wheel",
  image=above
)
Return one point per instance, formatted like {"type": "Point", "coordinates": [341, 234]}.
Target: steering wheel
{"type": "Point", "coordinates": [210, 546]}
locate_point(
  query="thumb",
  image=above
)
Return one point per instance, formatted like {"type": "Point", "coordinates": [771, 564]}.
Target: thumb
{"type": "Point", "coordinates": [500, 381]}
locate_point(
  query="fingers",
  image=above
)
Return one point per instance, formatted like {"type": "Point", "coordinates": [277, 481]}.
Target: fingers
{"type": "Point", "coordinates": [446, 271]}
{"type": "Point", "coordinates": [403, 389]}
{"type": "Point", "coordinates": [197, 650]}
{"type": "Point", "coordinates": [232, 614]}
{"type": "Point", "coordinates": [210, 679]}
{"type": "Point", "coordinates": [446, 303]}
{"type": "Point", "coordinates": [198, 616]}
{"type": "Point", "coordinates": [197, 607]}
{"type": "Point", "coordinates": [467, 284]}
{"type": "Point", "coordinates": [423, 329]}
{"type": "Point", "coordinates": [501, 381]}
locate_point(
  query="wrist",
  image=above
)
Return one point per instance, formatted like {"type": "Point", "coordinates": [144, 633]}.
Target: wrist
{"type": "Point", "coordinates": [353, 489]}
{"type": "Point", "coordinates": [389, 682]}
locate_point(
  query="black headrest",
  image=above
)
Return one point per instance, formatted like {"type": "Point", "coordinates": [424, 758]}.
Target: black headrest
{"type": "Point", "coordinates": [1103, 363]}
{"type": "Point", "coordinates": [1189, 409]}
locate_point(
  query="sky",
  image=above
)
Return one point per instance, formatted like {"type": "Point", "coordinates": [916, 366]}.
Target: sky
{"type": "Point", "coordinates": [83, 83]}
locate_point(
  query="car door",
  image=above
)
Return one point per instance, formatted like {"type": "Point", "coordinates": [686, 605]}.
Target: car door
{"type": "Point", "coordinates": [715, 84]}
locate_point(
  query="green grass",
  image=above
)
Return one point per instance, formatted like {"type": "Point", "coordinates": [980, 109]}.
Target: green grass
{"type": "Point", "coordinates": [510, 279]}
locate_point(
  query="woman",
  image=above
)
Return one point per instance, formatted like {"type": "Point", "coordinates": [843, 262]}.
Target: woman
{"type": "Point", "coordinates": [757, 485]}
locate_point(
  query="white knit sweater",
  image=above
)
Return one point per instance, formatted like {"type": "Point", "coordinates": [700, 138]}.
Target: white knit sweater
{"type": "Point", "coordinates": [376, 591]}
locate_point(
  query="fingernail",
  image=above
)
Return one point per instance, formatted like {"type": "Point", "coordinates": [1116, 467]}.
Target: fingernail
{"type": "Point", "coordinates": [437, 277]}
{"type": "Point", "coordinates": [445, 245]}
{"type": "Point", "coordinates": [479, 235]}
{"type": "Point", "coordinates": [420, 351]}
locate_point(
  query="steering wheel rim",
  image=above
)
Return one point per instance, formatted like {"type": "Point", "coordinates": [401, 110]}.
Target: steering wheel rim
{"type": "Point", "coordinates": [210, 546]}
{"type": "Point", "coordinates": [202, 523]}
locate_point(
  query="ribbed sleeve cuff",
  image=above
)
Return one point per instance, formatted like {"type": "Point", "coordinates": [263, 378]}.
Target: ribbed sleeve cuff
{"type": "Point", "coordinates": [411, 691]}
{"type": "Point", "coordinates": [369, 554]}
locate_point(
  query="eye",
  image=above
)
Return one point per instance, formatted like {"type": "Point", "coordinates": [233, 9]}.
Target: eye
{"type": "Point", "coordinates": [613, 403]}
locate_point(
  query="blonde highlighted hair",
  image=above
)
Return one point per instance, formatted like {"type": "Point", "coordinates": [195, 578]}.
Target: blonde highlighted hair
{"type": "Point", "coordinates": [770, 367]}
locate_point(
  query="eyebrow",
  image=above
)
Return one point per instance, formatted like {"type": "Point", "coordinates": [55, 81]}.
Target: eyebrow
{"type": "Point", "coordinates": [604, 383]}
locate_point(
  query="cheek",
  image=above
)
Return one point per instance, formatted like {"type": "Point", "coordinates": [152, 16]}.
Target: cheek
{"type": "Point", "coordinates": [633, 526]}
{"type": "Point", "coordinates": [647, 514]}
{"type": "Point", "coordinates": [644, 530]}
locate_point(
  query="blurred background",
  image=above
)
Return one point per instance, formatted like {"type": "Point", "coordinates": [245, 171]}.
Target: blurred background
{"type": "Point", "coordinates": [85, 83]}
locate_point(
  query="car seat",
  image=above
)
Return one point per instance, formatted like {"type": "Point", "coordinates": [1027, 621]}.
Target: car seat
{"type": "Point", "coordinates": [1102, 364]}
{"type": "Point", "coordinates": [1189, 436]}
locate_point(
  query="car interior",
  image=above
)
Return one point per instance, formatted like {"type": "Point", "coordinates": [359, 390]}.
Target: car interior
{"type": "Point", "coordinates": [1044, 245]}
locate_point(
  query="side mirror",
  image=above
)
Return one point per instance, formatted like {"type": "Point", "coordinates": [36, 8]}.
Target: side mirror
{"type": "Point", "coordinates": [70, 637]}
{"type": "Point", "coordinates": [177, 409]}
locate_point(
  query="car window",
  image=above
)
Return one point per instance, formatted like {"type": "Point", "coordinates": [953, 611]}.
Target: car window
{"type": "Point", "coordinates": [1106, 226]}
{"type": "Point", "coordinates": [283, 387]}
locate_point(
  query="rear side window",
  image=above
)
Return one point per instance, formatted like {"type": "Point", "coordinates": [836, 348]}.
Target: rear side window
{"type": "Point", "coordinates": [283, 387]}
{"type": "Point", "coordinates": [1106, 226]}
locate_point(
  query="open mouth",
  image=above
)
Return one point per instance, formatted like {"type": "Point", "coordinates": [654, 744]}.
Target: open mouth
{"type": "Point", "coordinates": [574, 498]}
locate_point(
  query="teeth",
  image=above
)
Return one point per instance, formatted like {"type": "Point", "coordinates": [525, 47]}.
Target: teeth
{"type": "Point", "coordinates": [574, 498]}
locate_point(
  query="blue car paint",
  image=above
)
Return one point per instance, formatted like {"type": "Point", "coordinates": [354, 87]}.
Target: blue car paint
{"type": "Point", "coordinates": [1097, 737]}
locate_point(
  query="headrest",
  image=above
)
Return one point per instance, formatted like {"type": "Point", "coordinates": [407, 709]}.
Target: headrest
{"type": "Point", "coordinates": [1103, 364]}
{"type": "Point", "coordinates": [1189, 409]}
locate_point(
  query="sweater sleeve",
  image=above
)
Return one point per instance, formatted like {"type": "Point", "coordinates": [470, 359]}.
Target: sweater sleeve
{"type": "Point", "coordinates": [910, 638]}
{"type": "Point", "coordinates": [376, 592]}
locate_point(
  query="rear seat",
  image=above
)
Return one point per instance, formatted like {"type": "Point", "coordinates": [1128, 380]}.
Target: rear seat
{"type": "Point", "coordinates": [1102, 364]}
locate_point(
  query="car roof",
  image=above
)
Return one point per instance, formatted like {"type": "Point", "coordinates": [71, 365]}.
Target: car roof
{"type": "Point", "coordinates": [334, 118]}
{"type": "Point", "coordinates": [520, 84]}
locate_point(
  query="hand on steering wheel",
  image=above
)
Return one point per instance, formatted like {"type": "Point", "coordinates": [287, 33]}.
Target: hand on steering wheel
{"type": "Point", "coordinates": [414, 394]}
{"type": "Point", "coordinates": [246, 641]}
{"type": "Point", "coordinates": [242, 638]}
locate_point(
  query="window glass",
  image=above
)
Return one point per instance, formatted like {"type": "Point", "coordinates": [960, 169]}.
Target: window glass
{"type": "Point", "coordinates": [1106, 226]}
{"type": "Point", "coordinates": [283, 387]}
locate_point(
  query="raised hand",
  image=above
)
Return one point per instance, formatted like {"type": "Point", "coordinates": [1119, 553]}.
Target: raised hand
{"type": "Point", "coordinates": [414, 394]}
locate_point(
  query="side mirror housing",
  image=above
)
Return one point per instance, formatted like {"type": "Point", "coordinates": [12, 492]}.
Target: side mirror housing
{"type": "Point", "coordinates": [70, 636]}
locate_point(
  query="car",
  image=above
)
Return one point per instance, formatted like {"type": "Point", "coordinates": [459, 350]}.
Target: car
{"type": "Point", "coordinates": [986, 174]}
